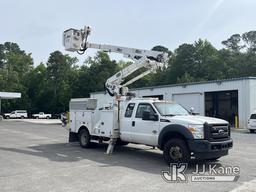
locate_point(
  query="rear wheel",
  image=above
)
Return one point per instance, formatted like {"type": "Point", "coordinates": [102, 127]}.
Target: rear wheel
{"type": "Point", "coordinates": [22, 117]}
{"type": "Point", "coordinates": [176, 151]}
{"type": "Point", "coordinates": [84, 138]}
{"type": "Point", "coordinates": [47, 117]}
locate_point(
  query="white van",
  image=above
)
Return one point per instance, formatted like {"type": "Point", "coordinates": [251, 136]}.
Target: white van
{"type": "Point", "coordinates": [252, 122]}
{"type": "Point", "coordinates": [16, 114]}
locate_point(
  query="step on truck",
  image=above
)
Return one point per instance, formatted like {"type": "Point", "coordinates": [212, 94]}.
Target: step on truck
{"type": "Point", "coordinates": [127, 119]}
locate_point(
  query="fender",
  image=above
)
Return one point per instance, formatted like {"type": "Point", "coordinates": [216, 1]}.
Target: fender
{"type": "Point", "coordinates": [174, 128]}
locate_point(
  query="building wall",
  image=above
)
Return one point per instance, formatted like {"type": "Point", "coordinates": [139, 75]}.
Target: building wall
{"type": "Point", "coordinates": [193, 95]}
{"type": "Point", "coordinates": [252, 96]}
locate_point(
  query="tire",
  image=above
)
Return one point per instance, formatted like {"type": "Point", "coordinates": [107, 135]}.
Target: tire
{"type": "Point", "coordinates": [7, 117]}
{"type": "Point", "coordinates": [47, 117]}
{"type": "Point", "coordinates": [84, 138]}
{"type": "Point", "coordinates": [22, 117]}
{"type": "Point", "coordinates": [176, 151]}
{"type": "Point", "coordinates": [252, 130]}
{"type": "Point", "coordinates": [37, 117]}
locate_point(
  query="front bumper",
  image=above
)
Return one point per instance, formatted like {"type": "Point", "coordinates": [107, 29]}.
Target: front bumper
{"type": "Point", "coordinates": [204, 149]}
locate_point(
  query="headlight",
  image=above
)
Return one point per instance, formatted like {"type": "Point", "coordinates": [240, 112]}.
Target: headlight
{"type": "Point", "coordinates": [197, 131]}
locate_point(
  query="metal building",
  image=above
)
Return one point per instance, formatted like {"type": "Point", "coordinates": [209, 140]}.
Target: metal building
{"type": "Point", "coordinates": [229, 99]}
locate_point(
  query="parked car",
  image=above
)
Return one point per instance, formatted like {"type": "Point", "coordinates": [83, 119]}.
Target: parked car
{"type": "Point", "coordinates": [42, 115]}
{"type": "Point", "coordinates": [252, 122]}
{"type": "Point", "coordinates": [16, 114]}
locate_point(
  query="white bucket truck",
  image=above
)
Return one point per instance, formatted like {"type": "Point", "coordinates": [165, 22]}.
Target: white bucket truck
{"type": "Point", "coordinates": [163, 124]}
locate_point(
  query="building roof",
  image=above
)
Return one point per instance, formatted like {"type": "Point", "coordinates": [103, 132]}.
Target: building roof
{"type": "Point", "coordinates": [9, 95]}
{"type": "Point", "coordinates": [186, 84]}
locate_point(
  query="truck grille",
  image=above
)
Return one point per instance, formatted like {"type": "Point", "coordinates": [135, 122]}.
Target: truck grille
{"type": "Point", "coordinates": [217, 132]}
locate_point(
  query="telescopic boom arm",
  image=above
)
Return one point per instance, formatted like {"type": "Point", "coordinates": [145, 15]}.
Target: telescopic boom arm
{"type": "Point", "coordinates": [76, 40]}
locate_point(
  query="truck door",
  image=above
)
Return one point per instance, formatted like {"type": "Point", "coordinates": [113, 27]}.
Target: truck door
{"type": "Point", "coordinates": [144, 131]}
{"type": "Point", "coordinates": [126, 123]}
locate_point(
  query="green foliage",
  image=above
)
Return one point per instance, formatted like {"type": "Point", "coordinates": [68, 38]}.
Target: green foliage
{"type": "Point", "coordinates": [14, 65]}
{"type": "Point", "coordinates": [49, 86]}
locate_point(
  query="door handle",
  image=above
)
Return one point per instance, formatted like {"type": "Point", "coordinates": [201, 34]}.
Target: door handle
{"type": "Point", "coordinates": [133, 123]}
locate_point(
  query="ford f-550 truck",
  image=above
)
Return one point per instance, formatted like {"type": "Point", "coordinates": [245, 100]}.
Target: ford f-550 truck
{"type": "Point", "coordinates": [163, 124]}
{"type": "Point", "coordinates": [127, 119]}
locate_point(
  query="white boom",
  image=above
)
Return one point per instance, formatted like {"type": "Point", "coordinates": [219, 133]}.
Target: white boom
{"type": "Point", "coordinates": [76, 40]}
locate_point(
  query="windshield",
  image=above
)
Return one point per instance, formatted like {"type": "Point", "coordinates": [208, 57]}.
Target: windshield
{"type": "Point", "coordinates": [170, 109]}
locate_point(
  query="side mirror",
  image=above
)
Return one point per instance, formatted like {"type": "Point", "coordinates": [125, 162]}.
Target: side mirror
{"type": "Point", "coordinates": [147, 117]}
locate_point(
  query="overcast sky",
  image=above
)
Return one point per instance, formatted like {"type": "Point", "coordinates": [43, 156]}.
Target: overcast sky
{"type": "Point", "coordinates": [37, 26]}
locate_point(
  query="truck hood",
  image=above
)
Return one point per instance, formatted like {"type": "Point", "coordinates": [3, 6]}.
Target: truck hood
{"type": "Point", "coordinates": [196, 119]}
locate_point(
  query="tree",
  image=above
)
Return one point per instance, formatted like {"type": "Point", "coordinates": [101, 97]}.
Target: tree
{"type": "Point", "coordinates": [94, 73]}
{"type": "Point", "coordinates": [250, 40]}
{"type": "Point", "coordinates": [59, 77]}
{"type": "Point", "coordinates": [49, 87]}
{"type": "Point", "coordinates": [233, 43]}
{"type": "Point", "coordinates": [14, 65]}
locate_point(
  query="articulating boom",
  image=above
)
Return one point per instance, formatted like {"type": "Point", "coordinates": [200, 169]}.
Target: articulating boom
{"type": "Point", "coordinates": [76, 40]}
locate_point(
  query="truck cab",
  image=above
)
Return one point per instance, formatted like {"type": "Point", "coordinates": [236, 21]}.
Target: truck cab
{"type": "Point", "coordinates": [163, 124]}
{"type": "Point", "coordinates": [171, 128]}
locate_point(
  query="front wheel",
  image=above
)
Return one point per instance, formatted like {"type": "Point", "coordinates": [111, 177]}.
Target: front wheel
{"type": "Point", "coordinates": [84, 138]}
{"type": "Point", "coordinates": [176, 151]}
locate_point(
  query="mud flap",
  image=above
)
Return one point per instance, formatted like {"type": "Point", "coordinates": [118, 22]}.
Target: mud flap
{"type": "Point", "coordinates": [73, 137]}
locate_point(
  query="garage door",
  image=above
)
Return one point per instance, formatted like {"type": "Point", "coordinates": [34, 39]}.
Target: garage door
{"type": "Point", "coordinates": [188, 101]}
